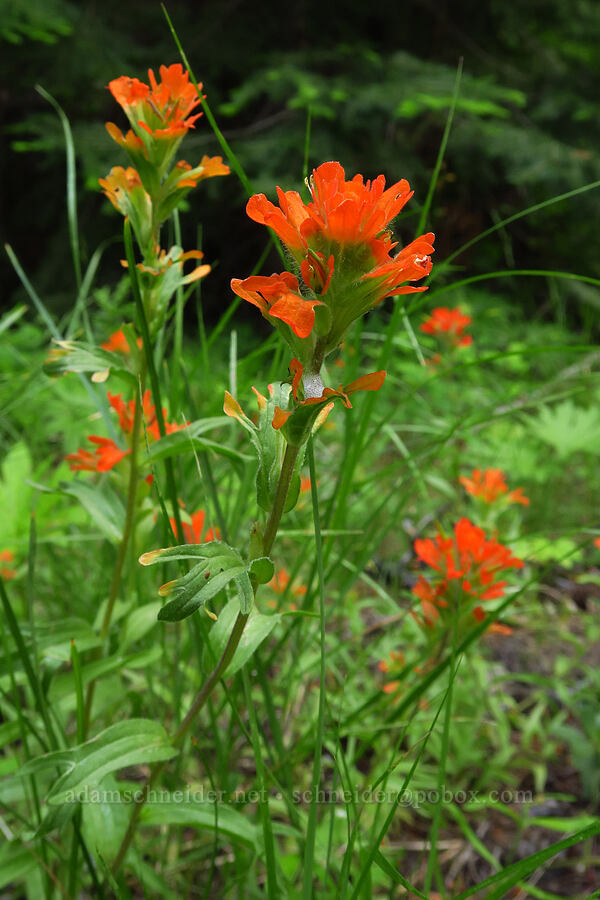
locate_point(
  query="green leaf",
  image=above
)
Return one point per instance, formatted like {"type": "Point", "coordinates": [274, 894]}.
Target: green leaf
{"type": "Point", "coordinates": [15, 862]}
{"type": "Point", "coordinates": [63, 685]}
{"type": "Point", "coordinates": [103, 822]}
{"type": "Point", "coordinates": [220, 565]}
{"type": "Point", "coordinates": [138, 623]}
{"type": "Point", "coordinates": [74, 356]}
{"type": "Point", "coordinates": [262, 569]}
{"type": "Point", "coordinates": [245, 592]}
{"type": "Point", "coordinates": [209, 550]}
{"type": "Point", "coordinates": [187, 438]}
{"type": "Point", "coordinates": [102, 504]}
{"type": "Point", "coordinates": [567, 428]}
{"type": "Point", "coordinates": [198, 586]}
{"type": "Point", "coordinates": [15, 495]}
{"type": "Point", "coordinates": [53, 641]}
{"type": "Point", "coordinates": [202, 814]}
{"type": "Point", "coordinates": [129, 743]}
{"type": "Point", "coordinates": [258, 627]}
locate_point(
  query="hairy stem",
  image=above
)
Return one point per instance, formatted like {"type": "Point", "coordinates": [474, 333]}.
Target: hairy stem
{"type": "Point", "coordinates": [285, 477]}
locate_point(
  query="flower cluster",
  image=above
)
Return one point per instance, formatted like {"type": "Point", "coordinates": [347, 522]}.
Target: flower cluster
{"type": "Point", "coordinates": [193, 528]}
{"type": "Point", "coordinates": [148, 191]}
{"type": "Point", "coordinates": [6, 571]}
{"type": "Point", "coordinates": [108, 453]}
{"type": "Point", "coordinates": [340, 246]}
{"type": "Point", "coordinates": [489, 485]}
{"type": "Point", "coordinates": [395, 664]}
{"type": "Point", "coordinates": [467, 570]}
{"type": "Point", "coordinates": [159, 115]}
{"type": "Point", "coordinates": [118, 343]}
{"type": "Point", "coordinates": [448, 325]}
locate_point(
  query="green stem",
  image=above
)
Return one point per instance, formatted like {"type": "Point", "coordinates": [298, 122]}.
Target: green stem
{"type": "Point", "coordinates": [156, 396]}
{"type": "Point", "coordinates": [285, 477]}
{"type": "Point", "coordinates": [123, 546]}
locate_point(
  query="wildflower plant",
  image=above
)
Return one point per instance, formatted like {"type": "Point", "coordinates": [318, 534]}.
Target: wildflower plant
{"type": "Point", "coordinates": [216, 566]}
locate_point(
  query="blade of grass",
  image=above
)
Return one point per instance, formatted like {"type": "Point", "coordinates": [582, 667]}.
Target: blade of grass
{"type": "Point", "coordinates": [263, 803]}
{"type": "Point", "coordinates": [49, 322]}
{"type": "Point", "coordinates": [519, 215]}
{"type": "Point", "coordinates": [79, 308]}
{"type": "Point", "coordinates": [34, 683]}
{"type": "Point", "coordinates": [306, 143]}
{"type": "Point", "coordinates": [231, 157]}
{"type": "Point", "coordinates": [440, 157]}
{"type": "Point", "coordinates": [307, 881]}
{"type": "Point", "coordinates": [73, 867]}
{"type": "Point", "coordinates": [513, 873]}
{"type": "Point", "coordinates": [509, 273]}
{"type": "Point", "coordinates": [432, 862]}
{"type": "Point", "coordinates": [374, 853]}
{"type": "Point", "coordinates": [71, 183]}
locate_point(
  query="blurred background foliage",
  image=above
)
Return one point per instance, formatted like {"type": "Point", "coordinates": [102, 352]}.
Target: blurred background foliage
{"type": "Point", "coordinates": [377, 82]}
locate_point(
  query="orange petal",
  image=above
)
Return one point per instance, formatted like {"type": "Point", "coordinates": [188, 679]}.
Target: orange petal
{"type": "Point", "coordinates": [280, 418]}
{"type": "Point", "coordinates": [296, 312]}
{"type": "Point", "coordinates": [296, 369]}
{"type": "Point", "coordinates": [232, 408]}
{"type": "Point", "coordinates": [370, 382]}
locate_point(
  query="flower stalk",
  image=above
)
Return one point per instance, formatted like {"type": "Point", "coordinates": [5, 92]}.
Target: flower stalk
{"type": "Point", "coordinates": [125, 539]}
{"type": "Point", "coordinates": [273, 522]}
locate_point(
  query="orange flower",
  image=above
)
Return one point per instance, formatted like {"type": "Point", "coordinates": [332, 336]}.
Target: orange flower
{"type": "Point", "coordinates": [126, 412]}
{"type": "Point", "coordinates": [188, 176]}
{"type": "Point", "coordinates": [119, 184]}
{"type": "Point", "coordinates": [279, 296]}
{"type": "Point", "coordinates": [393, 665]}
{"type": "Point", "coordinates": [490, 485]}
{"type": "Point", "coordinates": [5, 571]}
{"type": "Point", "coordinates": [597, 542]}
{"type": "Point", "coordinates": [117, 343]}
{"type": "Point", "coordinates": [449, 324]}
{"type": "Point", "coordinates": [467, 560]}
{"type": "Point", "coordinates": [343, 245]}
{"type": "Point", "coordinates": [161, 109]}
{"type": "Point", "coordinates": [280, 581]}
{"type": "Point", "coordinates": [341, 212]}
{"type": "Point", "coordinates": [194, 530]}
{"type": "Point", "coordinates": [106, 456]}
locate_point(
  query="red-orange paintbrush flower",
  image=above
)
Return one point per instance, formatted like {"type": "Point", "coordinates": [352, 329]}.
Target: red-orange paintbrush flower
{"type": "Point", "coordinates": [6, 556]}
{"type": "Point", "coordinates": [163, 108]}
{"type": "Point", "coordinates": [448, 324]}
{"type": "Point", "coordinates": [343, 246]}
{"type": "Point", "coordinates": [194, 529]}
{"type": "Point", "coordinates": [490, 485]}
{"type": "Point", "coordinates": [468, 560]}
{"type": "Point", "coordinates": [118, 343]}
{"type": "Point", "coordinates": [108, 454]}
{"type": "Point", "coordinates": [279, 297]}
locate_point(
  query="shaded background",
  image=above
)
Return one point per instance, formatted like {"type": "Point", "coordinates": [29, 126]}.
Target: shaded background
{"type": "Point", "coordinates": [377, 79]}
